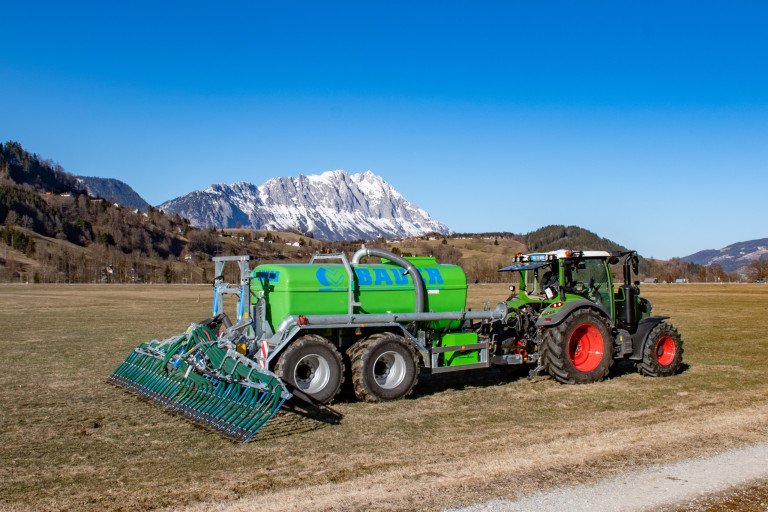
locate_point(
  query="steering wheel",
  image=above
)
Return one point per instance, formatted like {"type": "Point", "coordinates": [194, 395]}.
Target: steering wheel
{"type": "Point", "coordinates": [593, 291]}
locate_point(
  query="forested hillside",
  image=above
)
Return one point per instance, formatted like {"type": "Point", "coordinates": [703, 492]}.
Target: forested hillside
{"type": "Point", "coordinates": [552, 238]}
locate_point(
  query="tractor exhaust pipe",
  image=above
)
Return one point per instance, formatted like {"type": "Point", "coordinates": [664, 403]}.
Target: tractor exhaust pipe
{"type": "Point", "coordinates": [629, 315]}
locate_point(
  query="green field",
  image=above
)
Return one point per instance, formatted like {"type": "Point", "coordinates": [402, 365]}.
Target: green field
{"type": "Point", "coordinates": [73, 442]}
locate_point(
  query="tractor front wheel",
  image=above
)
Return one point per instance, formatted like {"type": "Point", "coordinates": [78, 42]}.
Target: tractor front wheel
{"type": "Point", "coordinates": [663, 352]}
{"type": "Point", "coordinates": [384, 368]}
{"type": "Point", "coordinates": [314, 366]}
{"type": "Point", "coordinates": [579, 350]}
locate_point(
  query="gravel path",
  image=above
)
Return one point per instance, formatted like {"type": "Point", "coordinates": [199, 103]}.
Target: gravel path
{"type": "Point", "coordinates": [647, 489]}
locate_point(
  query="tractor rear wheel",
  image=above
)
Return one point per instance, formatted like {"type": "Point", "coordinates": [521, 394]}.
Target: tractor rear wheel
{"type": "Point", "coordinates": [384, 368]}
{"type": "Point", "coordinates": [663, 352]}
{"type": "Point", "coordinates": [314, 366]}
{"type": "Point", "coordinates": [579, 350]}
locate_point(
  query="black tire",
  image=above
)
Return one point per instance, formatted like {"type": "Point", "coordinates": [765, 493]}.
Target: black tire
{"type": "Point", "coordinates": [663, 352]}
{"type": "Point", "coordinates": [384, 368]}
{"type": "Point", "coordinates": [579, 350]}
{"type": "Point", "coordinates": [312, 365]}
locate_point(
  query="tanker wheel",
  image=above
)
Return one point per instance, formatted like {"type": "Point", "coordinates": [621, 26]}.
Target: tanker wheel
{"type": "Point", "coordinates": [663, 352]}
{"type": "Point", "coordinates": [312, 365]}
{"type": "Point", "coordinates": [384, 368]}
{"type": "Point", "coordinates": [579, 350]}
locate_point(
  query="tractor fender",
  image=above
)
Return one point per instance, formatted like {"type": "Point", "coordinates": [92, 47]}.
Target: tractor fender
{"type": "Point", "coordinates": [547, 319]}
{"type": "Point", "coordinates": [640, 336]}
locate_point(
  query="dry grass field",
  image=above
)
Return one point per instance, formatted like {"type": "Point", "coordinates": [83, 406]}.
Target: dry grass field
{"type": "Point", "coordinates": [72, 442]}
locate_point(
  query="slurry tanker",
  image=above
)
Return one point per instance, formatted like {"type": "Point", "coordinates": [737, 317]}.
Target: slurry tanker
{"type": "Point", "coordinates": [301, 328]}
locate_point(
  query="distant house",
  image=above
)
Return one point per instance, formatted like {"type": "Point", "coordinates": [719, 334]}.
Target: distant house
{"type": "Point", "coordinates": [650, 280]}
{"type": "Point", "coordinates": [681, 280]}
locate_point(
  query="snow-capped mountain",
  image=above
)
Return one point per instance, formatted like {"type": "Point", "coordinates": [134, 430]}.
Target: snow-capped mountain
{"type": "Point", "coordinates": [333, 206]}
{"type": "Point", "coordinates": [733, 256]}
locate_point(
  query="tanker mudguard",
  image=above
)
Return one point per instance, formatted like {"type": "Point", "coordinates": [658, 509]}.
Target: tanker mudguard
{"type": "Point", "coordinates": [641, 334]}
{"type": "Point", "coordinates": [547, 319]}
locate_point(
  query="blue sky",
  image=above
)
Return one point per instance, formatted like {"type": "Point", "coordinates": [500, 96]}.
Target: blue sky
{"type": "Point", "coordinates": [645, 122]}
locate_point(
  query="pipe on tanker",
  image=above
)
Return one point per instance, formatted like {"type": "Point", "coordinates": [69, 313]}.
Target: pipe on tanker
{"type": "Point", "coordinates": [499, 313]}
{"type": "Point", "coordinates": [418, 281]}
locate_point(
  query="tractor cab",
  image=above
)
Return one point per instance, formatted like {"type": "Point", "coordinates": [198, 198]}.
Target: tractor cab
{"type": "Point", "coordinates": [561, 276]}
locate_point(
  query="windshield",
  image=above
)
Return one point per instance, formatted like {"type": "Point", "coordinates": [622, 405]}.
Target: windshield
{"type": "Point", "coordinates": [537, 280]}
{"type": "Point", "coordinates": [588, 278]}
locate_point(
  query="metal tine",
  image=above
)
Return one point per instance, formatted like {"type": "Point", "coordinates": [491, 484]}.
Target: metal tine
{"type": "Point", "coordinates": [264, 412]}
{"type": "Point", "coordinates": [163, 390]}
{"type": "Point", "coordinates": [144, 377]}
{"type": "Point", "coordinates": [200, 398]}
{"type": "Point", "coordinates": [215, 411]}
{"type": "Point", "coordinates": [242, 428]}
{"type": "Point", "coordinates": [230, 391]}
{"type": "Point", "coordinates": [274, 411]}
{"type": "Point", "coordinates": [255, 410]}
{"type": "Point", "coordinates": [190, 396]}
{"type": "Point", "coordinates": [183, 394]}
{"type": "Point", "coordinates": [230, 408]}
{"type": "Point", "coordinates": [195, 408]}
{"type": "Point", "coordinates": [228, 405]}
{"type": "Point", "coordinates": [199, 414]}
{"type": "Point", "coordinates": [237, 412]}
{"type": "Point", "coordinates": [213, 397]}
{"type": "Point", "coordinates": [252, 401]}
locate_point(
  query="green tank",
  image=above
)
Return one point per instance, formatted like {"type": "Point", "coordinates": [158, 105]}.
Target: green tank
{"type": "Point", "coordinates": [323, 289]}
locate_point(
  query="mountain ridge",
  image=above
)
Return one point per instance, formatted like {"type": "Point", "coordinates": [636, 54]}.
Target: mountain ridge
{"type": "Point", "coordinates": [333, 205]}
{"type": "Point", "coordinates": [731, 257]}
{"type": "Point", "coordinates": [113, 190]}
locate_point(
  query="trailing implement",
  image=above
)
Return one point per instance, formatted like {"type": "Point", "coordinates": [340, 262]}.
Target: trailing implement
{"type": "Point", "coordinates": [301, 328]}
{"type": "Point", "coordinates": [202, 376]}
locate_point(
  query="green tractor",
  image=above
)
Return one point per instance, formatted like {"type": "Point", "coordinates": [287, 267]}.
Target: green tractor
{"type": "Point", "coordinates": [570, 320]}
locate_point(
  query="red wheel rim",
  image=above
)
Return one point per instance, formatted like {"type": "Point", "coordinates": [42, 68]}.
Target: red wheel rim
{"type": "Point", "coordinates": [585, 348]}
{"type": "Point", "coordinates": [665, 350]}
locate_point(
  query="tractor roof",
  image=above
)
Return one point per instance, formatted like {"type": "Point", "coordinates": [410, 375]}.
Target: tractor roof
{"type": "Point", "coordinates": [560, 254]}
{"type": "Point", "coordinates": [540, 259]}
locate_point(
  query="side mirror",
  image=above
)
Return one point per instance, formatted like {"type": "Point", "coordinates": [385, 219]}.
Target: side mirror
{"type": "Point", "coordinates": [613, 260]}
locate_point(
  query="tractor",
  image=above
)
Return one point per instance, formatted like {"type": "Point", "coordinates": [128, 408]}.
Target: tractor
{"type": "Point", "coordinates": [571, 321]}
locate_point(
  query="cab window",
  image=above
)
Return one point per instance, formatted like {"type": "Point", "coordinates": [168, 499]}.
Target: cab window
{"type": "Point", "coordinates": [589, 278]}
{"type": "Point", "coordinates": [537, 280]}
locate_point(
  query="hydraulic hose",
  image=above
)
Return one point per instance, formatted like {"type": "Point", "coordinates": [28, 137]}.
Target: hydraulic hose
{"type": "Point", "coordinates": [418, 281]}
